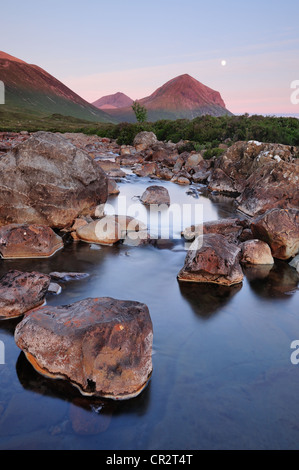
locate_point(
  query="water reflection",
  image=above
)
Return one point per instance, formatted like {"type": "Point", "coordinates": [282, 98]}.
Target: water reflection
{"type": "Point", "coordinates": [277, 281]}
{"type": "Point", "coordinates": [207, 299]}
{"type": "Point", "coordinates": [31, 380]}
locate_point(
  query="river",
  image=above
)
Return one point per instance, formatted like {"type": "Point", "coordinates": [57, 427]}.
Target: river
{"type": "Point", "coordinates": [222, 371]}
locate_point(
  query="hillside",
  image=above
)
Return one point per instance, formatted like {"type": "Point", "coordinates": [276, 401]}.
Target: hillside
{"type": "Point", "coordinates": [31, 90]}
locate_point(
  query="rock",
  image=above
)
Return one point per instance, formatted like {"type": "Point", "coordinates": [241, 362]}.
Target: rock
{"type": "Point", "coordinates": [295, 263]}
{"type": "Point", "coordinates": [108, 165]}
{"type": "Point", "coordinates": [280, 229]}
{"type": "Point", "coordinates": [220, 181]}
{"type": "Point", "coordinates": [270, 186]}
{"type": "Point", "coordinates": [28, 241]}
{"type": "Point", "coordinates": [262, 175]}
{"type": "Point", "coordinates": [69, 276]}
{"type": "Point", "coordinates": [21, 292]}
{"type": "Point", "coordinates": [110, 229]}
{"type": "Point", "coordinates": [54, 288]}
{"type": "Point", "coordinates": [144, 140]}
{"type": "Point", "coordinates": [212, 259]}
{"type": "Point", "coordinates": [155, 195]}
{"type": "Point", "coordinates": [256, 252]}
{"type": "Point", "coordinates": [180, 180]}
{"type": "Point", "coordinates": [113, 189]}
{"type": "Point", "coordinates": [46, 180]}
{"type": "Point", "coordinates": [192, 161]}
{"type": "Point", "coordinates": [230, 228]}
{"type": "Point", "coordinates": [103, 346]}
{"type": "Point", "coordinates": [164, 173]}
{"type": "Point", "coordinates": [129, 160]}
{"type": "Point", "coordinates": [146, 169]}
{"type": "Point", "coordinates": [105, 231]}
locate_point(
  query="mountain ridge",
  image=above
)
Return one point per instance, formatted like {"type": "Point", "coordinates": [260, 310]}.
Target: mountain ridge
{"type": "Point", "coordinates": [182, 97]}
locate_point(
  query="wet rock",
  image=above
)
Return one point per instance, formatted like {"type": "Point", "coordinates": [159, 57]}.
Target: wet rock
{"type": "Point", "coordinates": [178, 179]}
{"type": "Point", "coordinates": [113, 189]}
{"type": "Point", "coordinates": [144, 140]}
{"type": "Point", "coordinates": [46, 180]}
{"type": "Point", "coordinates": [212, 259]}
{"type": "Point", "coordinates": [155, 195]}
{"type": "Point", "coordinates": [256, 252]}
{"type": "Point", "coordinates": [54, 288]}
{"type": "Point", "coordinates": [280, 229]}
{"type": "Point", "coordinates": [230, 228]}
{"type": "Point", "coordinates": [129, 160]}
{"type": "Point", "coordinates": [146, 169]}
{"type": "Point", "coordinates": [28, 241]}
{"type": "Point", "coordinates": [21, 292]}
{"type": "Point", "coordinates": [110, 229]}
{"type": "Point", "coordinates": [68, 276]}
{"type": "Point", "coordinates": [103, 346]}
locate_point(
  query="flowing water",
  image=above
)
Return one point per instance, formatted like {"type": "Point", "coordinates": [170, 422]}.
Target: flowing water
{"type": "Point", "coordinates": [222, 373]}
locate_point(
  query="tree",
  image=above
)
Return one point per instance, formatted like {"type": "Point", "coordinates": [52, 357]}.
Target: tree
{"type": "Point", "coordinates": [140, 111]}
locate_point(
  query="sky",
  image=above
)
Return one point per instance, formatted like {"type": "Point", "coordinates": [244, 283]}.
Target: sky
{"type": "Point", "coordinates": [98, 47]}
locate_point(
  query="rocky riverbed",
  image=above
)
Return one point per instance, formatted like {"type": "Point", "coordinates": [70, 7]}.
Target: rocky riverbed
{"type": "Point", "coordinates": [232, 250]}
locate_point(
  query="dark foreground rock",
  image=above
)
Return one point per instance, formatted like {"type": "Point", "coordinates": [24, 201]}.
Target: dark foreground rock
{"type": "Point", "coordinates": [28, 241]}
{"type": "Point", "coordinates": [280, 229]}
{"type": "Point", "coordinates": [47, 180]}
{"type": "Point", "coordinates": [21, 292]}
{"type": "Point", "coordinates": [103, 346]}
{"type": "Point", "coordinates": [212, 259]}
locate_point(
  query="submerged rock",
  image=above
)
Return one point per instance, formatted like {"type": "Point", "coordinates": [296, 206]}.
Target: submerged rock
{"type": "Point", "coordinates": [28, 241]}
{"type": "Point", "coordinates": [280, 229]}
{"type": "Point", "coordinates": [155, 195]}
{"type": "Point", "coordinates": [21, 292]}
{"type": "Point", "coordinates": [103, 346]}
{"type": "Point", "coordinates": [212, 259]}
{"type": "Point", "coordinates": [49, 181]}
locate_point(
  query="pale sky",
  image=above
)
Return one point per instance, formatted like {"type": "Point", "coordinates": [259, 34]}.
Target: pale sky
{"type": "Point", "coordinates": [100, 47]}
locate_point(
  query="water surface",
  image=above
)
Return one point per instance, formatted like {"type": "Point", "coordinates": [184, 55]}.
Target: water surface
{"type": "Point", "coordinates": [222, 376]}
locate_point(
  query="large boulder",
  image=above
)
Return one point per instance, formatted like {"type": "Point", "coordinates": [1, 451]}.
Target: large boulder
{"type": "Point", "coordinates": [280, 229]}
{"type": "Point", "coordinates": [103, 346]}
{"type": "Point", "coordinates": [28, 241]}
{"type": "Point", "coordinates": [262, 175]}
{"type": "Point", "coordinates": [155, 195]}
{"type": "Point", "coordinates": [21, 292]}
{"type": "Point", "coordinates": [144, 140]}
{"type": "Point", "coordinates": [110, 229]}
{"type": "Point", "coordinates": [212, 259]}
{"type": "Point", "coordinates": [47, 180]}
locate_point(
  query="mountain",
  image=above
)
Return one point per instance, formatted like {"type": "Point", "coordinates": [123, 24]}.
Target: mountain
{"type": "Point", "coordinates": [183, 97]}
{"type": "Point", "coordinates": [118, 100]}
{"type": "Point", "coordinates": [30, 89]}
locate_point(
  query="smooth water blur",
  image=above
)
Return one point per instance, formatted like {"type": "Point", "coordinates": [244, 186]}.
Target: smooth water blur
{"type": "Point", "coordinates": [222, 375]}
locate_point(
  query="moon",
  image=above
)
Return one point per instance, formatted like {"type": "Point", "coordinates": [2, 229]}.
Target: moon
{"type": "Point", "coordinates": [223, 63]}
